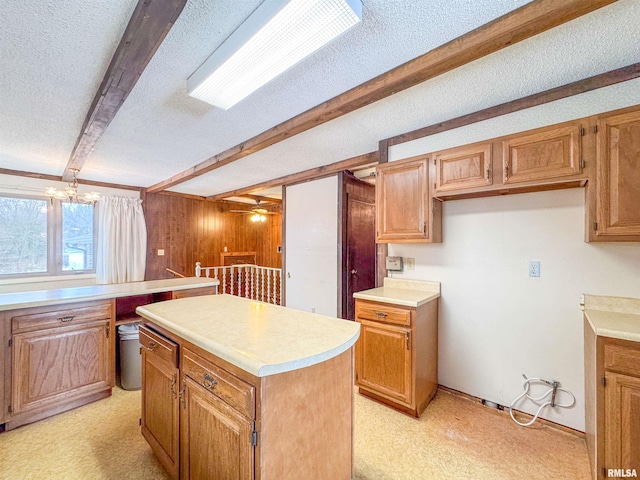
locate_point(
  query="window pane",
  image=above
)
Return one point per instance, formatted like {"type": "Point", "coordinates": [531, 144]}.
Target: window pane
{"type": "Point", "coordinates": [23, 235]}
{"type": "Point", "coordinates": [77, 237]}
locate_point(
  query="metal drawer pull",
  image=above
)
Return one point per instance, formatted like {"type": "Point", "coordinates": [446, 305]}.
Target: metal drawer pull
{"type": "Point", "coordinates": [152, 346]}
{"type": "Point", "coordinates": [381, 314]}
{"type": "Point", "coordinates": [209, 382]}
{"type": "Point", "coordinates": [66, 319]}
{"type": "Point", "coordinates": [173, 384]}
{"type": "Point", "coordinates": [181, 393]}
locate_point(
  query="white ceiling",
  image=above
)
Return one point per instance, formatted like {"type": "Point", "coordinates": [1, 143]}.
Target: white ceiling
{"type": "Point", "coordinates": [54, 54]}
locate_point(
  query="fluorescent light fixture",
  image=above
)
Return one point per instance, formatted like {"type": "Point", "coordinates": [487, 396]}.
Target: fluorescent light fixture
{"type": "Point", "coordinates": [276, 36]}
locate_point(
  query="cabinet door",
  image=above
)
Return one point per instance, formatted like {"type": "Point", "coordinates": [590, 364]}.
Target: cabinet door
{"type": "Point", "coordinates": [402, 200]}
{"type": "Point", "coordinates": [160, 405]}
{"type": "Point", "coordinates": [57, 365]}
{"type": "Point", "coordinates": [545, 154]}
{"type": "Point", "coordinates": [622, 422]}
{"type": "Point", "coordinates": [618, 176]}
{"type": "Point", "coordinates": [215, 440]}
{"type": "Point", "coordinates": [383, 360]}
{"type": "Point", "coordinates": [464, 167]}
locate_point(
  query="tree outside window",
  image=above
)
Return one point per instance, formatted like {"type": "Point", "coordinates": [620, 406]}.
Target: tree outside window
{"type": "Point", "coordinates": [39, 237]}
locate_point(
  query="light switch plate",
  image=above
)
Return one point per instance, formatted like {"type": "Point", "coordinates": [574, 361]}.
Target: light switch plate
{"type": "Point", "coordinates": [161, 252]}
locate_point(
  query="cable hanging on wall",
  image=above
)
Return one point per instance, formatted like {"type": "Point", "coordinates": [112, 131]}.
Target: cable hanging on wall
{"type": "Point", "coordinates": [554, 388]}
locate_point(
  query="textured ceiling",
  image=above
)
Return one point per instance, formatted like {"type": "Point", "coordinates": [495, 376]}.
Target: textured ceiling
{"type": "Point", "coordinates": [54, 55]}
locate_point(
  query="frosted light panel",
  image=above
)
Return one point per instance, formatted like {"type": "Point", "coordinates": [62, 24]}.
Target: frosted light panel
{"type": "Point", "coordinates": [274, 38]}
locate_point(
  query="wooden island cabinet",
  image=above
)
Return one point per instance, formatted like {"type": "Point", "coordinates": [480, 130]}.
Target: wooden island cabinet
{"type": "Point", "coordinates": [59, 345]}
{"type": "Point", "coordinates": [247, 390]}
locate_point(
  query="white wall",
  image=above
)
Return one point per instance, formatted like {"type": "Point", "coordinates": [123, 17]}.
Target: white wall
{"type": "Point", "coordinates": [311, 230]}
{"type": "Point", "coordinates": [496, 323]}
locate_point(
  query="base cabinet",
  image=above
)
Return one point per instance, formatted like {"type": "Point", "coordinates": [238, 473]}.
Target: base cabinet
{"type": "Point", "coordinates": [60, 359]}
{"type": "Point", "coordinates": [397, 354]}
{"type": "Point", "coordinates": [622, 424]}
{"type": "Point", "coordinates": [160, 410]}
{"type": "Point", "coordinates": [215, 440]}
{"type": "Point", "coordinates": [612, 404]}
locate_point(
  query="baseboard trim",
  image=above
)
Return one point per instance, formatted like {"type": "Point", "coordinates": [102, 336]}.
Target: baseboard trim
{"type": "Point", "coordinates": [521, 416]}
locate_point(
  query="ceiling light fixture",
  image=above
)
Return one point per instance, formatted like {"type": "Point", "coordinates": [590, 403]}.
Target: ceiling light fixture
{"type": "Point", "coordinates": [276, 36]}
{"type": "Point", "coordinates": [258, 217]}
{"type": "Point", "coordinates": [70, 194]}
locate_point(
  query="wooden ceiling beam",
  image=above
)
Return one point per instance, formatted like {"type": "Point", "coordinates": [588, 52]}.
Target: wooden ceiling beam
{"type": "Point", "coordinates": [520, 24]}
{"type": "Point", "coordinates": [57, 178]}
{"type": "Point", "coordinates": [325, 170]}
{"type": "Point", "coordinates": [149, 25]}
{"type": "Point", "coordinates": [261, 199]}
{"type": "Point", "coordinates": [575, 88]}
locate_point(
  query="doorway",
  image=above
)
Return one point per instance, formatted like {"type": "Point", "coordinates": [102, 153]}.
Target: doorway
{"type": "Point", "coordinates": [358, 245]}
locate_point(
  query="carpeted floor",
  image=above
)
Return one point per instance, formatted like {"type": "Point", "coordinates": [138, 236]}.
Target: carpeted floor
{"type": "Point", "coordinates": [454, 439]}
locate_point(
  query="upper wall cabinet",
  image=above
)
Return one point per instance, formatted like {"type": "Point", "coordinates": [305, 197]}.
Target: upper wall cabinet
{"type": "Point", "coordinates": [405, 212]}
{"type": "Point", "coordinates": [617, 215]}
{"type": "Point", "coordinates": [463, 167]}
{"type": "Point", "coordinates": [547, 153]}
{"type": "Point", "coordinates": [542, 159]}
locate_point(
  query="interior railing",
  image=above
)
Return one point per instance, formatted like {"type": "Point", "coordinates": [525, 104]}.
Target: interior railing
{"type": "Point", "coordinates": [247, 281]}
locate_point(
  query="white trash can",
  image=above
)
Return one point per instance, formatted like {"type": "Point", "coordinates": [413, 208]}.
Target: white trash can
{"type": "Point", "coordinates": [130, 358]}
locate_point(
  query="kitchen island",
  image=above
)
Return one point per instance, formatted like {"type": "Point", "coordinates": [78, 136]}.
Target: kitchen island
{"type": "Point", "coordinates": [236, 388]}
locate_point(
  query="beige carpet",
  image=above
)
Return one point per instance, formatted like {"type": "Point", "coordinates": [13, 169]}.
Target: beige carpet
{"type": "Point", "coordinates": [454, 439]}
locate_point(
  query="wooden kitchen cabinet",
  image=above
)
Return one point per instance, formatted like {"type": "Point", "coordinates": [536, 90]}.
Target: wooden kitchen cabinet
{"type": "Point", "coordinates": [405, 211]}
{"type": "Point", "coordinates": [617, 202]}
{"type": "Point", "coordinates": [612, 403]}
{"type": "Point", "coordinates": [383, 360]}
{"type": "Point", "coordinates": [397, 354]}
{"type": "Point", "coordinates": [464, 167]}
{"type": "Point", "coordinates": [550, 153]}
{"type": "Point", "coordinates": [60, 359]}
{"type": "Point", "coordinates": [622, 430]}
{"type": "Point", "coordinates": [160, 410]}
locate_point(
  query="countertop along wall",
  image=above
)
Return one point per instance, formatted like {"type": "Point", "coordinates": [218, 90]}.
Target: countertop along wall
{"type": "Point", "coordinates": [496, 323]}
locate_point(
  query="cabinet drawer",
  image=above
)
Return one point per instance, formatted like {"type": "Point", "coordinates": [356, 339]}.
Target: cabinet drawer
{"type": "Point", "coordinates": [60, 318]}
{"type": "Point", "coordinates": [622, 359]}
{"type": "Point", "coordinates": [383, 313]}
{"type": "Point", "coordinates": [235, 392]}
{"type": "Point", "coordinates": [159, 346]}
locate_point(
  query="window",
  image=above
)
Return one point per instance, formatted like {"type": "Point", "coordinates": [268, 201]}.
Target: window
{"type": "Point", "coordinates": [38, 237]}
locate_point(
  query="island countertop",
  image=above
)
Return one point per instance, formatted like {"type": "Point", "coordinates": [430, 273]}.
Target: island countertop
{"type": "Point", "coordinates": [37, 298]}
{"type": "Point", "coordinates": [410, 293]}
{"type": "Point", "coordinates": [257, 337]}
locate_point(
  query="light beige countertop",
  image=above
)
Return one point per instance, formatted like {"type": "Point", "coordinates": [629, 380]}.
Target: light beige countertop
{"type": "Point", "coordinates": [614, 317]}
{"type": "Point", "coordinates": [257, 337]}
{"type": "Point", "coordinates": [410, 293]}
{"type": "Point", "coordinates": [10, 301]}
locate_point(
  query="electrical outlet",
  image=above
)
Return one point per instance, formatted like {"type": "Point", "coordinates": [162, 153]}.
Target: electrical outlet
{"type": "Point", "coordinates": [161, 252]}
{"type": "Point", "coordinates": [534, 269]}
{"type": "Point", "coordinates": [411, 263]}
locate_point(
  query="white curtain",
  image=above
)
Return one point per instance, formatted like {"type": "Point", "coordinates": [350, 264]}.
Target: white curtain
{"type": "Point", "coordinates": [122, 240]}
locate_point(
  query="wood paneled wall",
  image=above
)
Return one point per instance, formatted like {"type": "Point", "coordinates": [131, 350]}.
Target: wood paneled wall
{"type": "Point", "coordinates": [193, 230]}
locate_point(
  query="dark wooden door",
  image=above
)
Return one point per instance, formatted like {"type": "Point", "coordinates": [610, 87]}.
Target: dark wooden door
{"type": "Point", "coordinates": [361, 249]}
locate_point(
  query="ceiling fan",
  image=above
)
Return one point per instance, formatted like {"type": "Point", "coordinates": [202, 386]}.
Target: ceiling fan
{"type": "Point", "coordinates": [258, 214]}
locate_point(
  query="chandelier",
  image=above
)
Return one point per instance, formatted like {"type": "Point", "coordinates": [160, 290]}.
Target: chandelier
{"type": "Point", "coordinates": [70, 194]}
